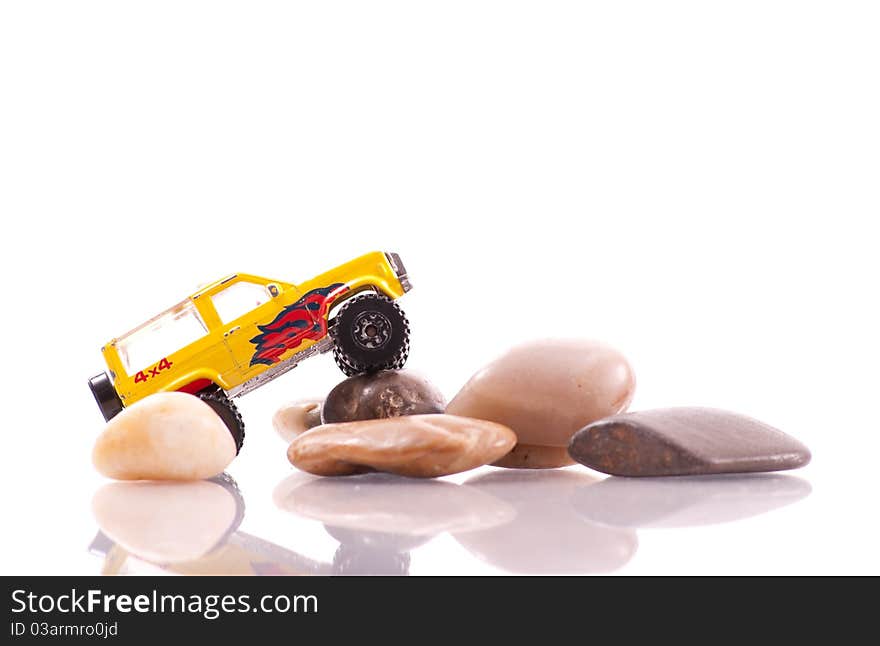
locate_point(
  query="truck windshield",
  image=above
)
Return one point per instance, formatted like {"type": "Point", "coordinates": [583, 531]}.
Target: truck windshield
{"type": "Point", "coordinates": [156, 339]}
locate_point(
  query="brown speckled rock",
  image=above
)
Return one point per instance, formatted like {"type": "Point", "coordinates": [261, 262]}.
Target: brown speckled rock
{"type": "Point", "coordinates": [685, 441]}
{"type": "Point", "coordinates": [546, 391]}
{"type": "Point", "coordinates": [295, 418]}
{"type": "Point", "coordinates": [166, 436]}
{"type": "Point", "coordinates": [415, 445]}
{"type": "Point", "coordinates": [389, 393]}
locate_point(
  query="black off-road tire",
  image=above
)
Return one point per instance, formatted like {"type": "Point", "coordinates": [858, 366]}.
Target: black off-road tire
{"type": "Point", "coordinates": [228, 412]}
{"type": "Point", "coordinates": [105, 395]}
{"type": "Point", "coordinates": [370, 333]}
{"type": "Point", "coordinates": [342, 364]}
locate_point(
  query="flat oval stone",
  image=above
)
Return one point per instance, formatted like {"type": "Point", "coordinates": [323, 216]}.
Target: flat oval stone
{"type": "Point", "coordinates": [295, 418]}
{"type": "Point", "coordinates": [546, 391]}
{"type": "Point", "coordinates": [685, 441]}
{"type": "Point", "coordinates": [421, 446]}
{"type": "Point", "coordinates": [166, 436]}
{"type": "Point", "coordinates": [389, 393]}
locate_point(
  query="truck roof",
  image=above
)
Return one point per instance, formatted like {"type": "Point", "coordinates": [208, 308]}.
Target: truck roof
{"type": "Point", "coordinates": [204, 289]}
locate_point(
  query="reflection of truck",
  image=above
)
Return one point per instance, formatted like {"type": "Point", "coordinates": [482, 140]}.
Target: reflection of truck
{"type": "Point", "coordinates": [243, 331]}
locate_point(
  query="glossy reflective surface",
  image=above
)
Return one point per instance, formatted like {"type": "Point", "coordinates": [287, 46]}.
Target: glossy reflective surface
{"type": "Point", "coordinates": [564, 521]}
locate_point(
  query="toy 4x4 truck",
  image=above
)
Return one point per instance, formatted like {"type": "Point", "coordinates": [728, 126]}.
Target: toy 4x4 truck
{"type": "Point", "coordinates": [243, 331]}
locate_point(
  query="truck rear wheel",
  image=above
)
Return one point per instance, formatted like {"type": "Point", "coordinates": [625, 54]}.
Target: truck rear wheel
{"type": "Point", "coordinates": [228, 412]}
{"type": "Point", "coordinates": [370, 333]}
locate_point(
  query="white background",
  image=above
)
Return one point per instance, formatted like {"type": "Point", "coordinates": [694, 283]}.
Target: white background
{"type": "Point", "coordinates": [695, 183]}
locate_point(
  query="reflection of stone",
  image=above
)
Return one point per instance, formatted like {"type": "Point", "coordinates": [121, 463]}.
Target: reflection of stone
{"type": "Point", "coordinates": [547, 536]}
{"type": "Point", "coordinates": [361, 553]}
{"type": "Point", "coordinates": [378, 519]}
{"type": "Point", "coordinates": [686, 501]}
{"type": "Point", "coordinates": [166, 522]}
{"type": "Point", "coordinates": [186, 528]}
{"type": "Point", "coordinates": [359, 540]}
{"type": "Point", "coordinates": [391, 505]}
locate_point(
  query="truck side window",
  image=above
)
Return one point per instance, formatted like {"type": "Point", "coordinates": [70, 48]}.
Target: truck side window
{"type": "Point", "coordinates": [238, 299]}
{"type": "Point", "coordinates": [172, 330]}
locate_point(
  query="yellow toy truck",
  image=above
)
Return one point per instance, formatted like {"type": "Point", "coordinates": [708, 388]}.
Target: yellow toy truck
{"type": "Point", "coordinates": [241, 332]}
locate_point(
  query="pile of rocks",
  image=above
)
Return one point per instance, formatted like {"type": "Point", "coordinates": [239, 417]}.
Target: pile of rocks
{"type": "Point", "coordinates": [545, 404]}
{"type": "Point", "coordinates": [542, 405]}
{"type": "Point", "coordinates": [519, 411]}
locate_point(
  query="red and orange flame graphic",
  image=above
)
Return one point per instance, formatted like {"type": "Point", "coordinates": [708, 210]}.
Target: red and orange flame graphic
{"type": "Point", "coordinates": [304, 319]}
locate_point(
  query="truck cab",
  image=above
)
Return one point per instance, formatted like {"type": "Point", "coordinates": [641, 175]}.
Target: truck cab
{"type": "Point", "coordinates": [243, 330]}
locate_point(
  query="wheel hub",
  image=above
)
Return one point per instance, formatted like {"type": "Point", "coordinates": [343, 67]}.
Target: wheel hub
{"type": "Point", "coordinates": [372, 330]}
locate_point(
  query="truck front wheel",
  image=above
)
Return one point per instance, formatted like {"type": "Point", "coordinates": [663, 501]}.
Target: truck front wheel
{"type": "Point", "coordinates": [370, 333]}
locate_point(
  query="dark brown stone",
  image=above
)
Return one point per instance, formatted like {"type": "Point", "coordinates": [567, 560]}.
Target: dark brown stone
{"type": "Point", "coordinates": [685, 441]}
{"type": "Point", "coordinates": [390, 393]}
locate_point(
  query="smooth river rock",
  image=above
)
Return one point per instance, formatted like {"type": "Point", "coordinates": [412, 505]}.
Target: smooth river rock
{"type": "Point", "coordinates": [295, 418]}
{"type": "Point", "coordinates": [389, 393]}
{"type": "Point", "coordinates": [422, 446]}
{"type": "Point", "coordinates": [685, 441]}
{"type": "Point", "coordinates": [546, 391]}
{"type": "Point", "coordinates": [166, 436]}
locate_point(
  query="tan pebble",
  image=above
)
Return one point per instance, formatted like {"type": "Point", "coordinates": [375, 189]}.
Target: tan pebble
{"type": "Point", "coordinates": [548, 390]}
{"type": "Point", "coordinates": [166, 436]}
{"type": "Point", "coordinates": [297, 417]}
{"type": "Point", "coordinates": [531, 456]}
{"type": "Point", "coordinates": [421, 446]}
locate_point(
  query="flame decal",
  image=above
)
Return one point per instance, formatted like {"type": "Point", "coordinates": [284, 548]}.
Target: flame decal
{"type": "Point", "coordinates": [304, 319]}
